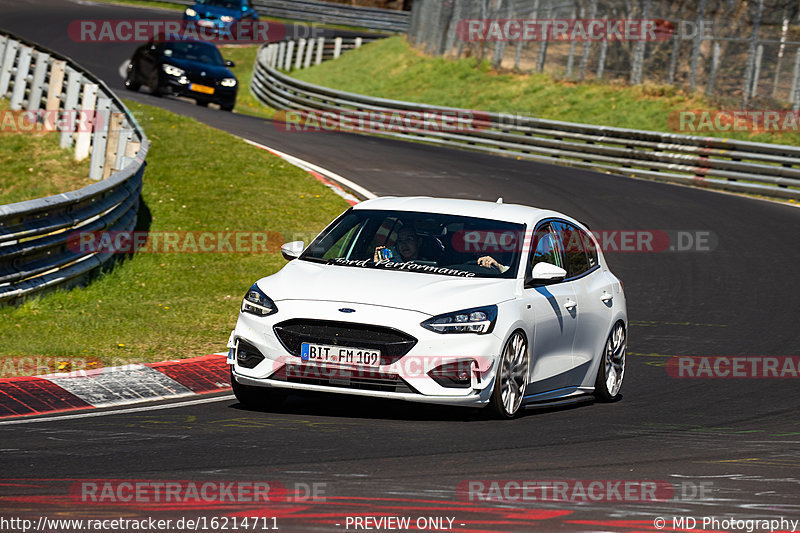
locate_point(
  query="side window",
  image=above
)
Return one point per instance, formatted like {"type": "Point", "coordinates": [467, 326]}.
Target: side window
{"type": "Point", "coordinates": [547, 249]}
{"type": "Point", "coordinates": [572, 240]}
{"type": "Point", "coordinates": [591, 249]}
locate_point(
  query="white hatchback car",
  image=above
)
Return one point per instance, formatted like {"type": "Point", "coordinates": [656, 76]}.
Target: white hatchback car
{"type": "Point", "coordinates": [455, 302]}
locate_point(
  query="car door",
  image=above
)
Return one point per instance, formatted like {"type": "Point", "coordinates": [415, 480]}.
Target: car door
{"type": "Point", "coordinates": [148, 64]}
{"type": "Point", "coordinates": [551, 313]}
{"type": "Point", "coordinates": [594, 291]}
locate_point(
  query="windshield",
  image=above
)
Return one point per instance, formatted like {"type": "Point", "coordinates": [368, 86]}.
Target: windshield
{"type": "Point", "coordinates": [428, 243]}
{"type": "Point", "coordinates": [227, 4]}
{"type": "Point", "coordinates": [201, 52]}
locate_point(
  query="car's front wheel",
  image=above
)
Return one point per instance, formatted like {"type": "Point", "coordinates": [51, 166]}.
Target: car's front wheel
{"type": "Point", "coordinates": [256, 397]}
{"type": "Point", "coordinates": [512, 377]}
{"type": "Point", "coordinates": [612, 366]}
{"type": "Point", "coordinates": [130, 81]}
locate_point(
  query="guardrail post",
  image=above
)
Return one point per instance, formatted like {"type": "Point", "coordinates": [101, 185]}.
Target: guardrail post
{"type": "Point", "coordinates": [9, 58]}
{"type": "Point", "coordinates": [114, 130]}
{"type": "Point", "coordinates": [39, 75]}
{"type": "Point", "coordinates": [337, 47]}
{"type": "Point", "coordinates": [320, 50]}
{"type": "Point", "coordinates": [309, 53]}
{"type": "Point", "coordinates": [281, 54]}
{"type": "Point", "coordinates": [359, 42]}
{"type": "Point", "coordinates": [301, 48]}
{"type": "Point", "coordinates": [54, 88]}
{"type": "Point", "coordinates": [124, 138]}
{"type": "Point", "coordinates": [100, 140]}
{"type": "Point", "coordinates": [3, 40]}
{"type": "Point", "coordinates": [21, 78]}
{"type": "Point", "coordinates": [87, 120]}
{"type": "Point", "coordinates": [289, 56]}
{"type": "Point", "coordinates": [70, 104]}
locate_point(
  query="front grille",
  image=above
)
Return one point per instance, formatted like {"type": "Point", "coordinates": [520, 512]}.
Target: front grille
{"type": "Point", "coordinates": [392, 343]}
{"type": "Point", "coordinates": [343, 378]}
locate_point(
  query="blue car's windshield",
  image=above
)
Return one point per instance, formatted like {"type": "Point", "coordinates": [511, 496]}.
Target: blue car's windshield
{"type": "Point", "coordinates": [429, 243]}
{"type": "Point", "coordinates": [227, 4]}
{"type": "Point", "coordinates": [200, 52]}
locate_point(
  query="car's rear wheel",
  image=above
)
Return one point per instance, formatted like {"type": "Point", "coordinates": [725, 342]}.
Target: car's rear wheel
{"type": "Point", "coordinates": [612, 366]}
{"type": "Point", "coordinates": [256, 397]}
{"type": "Point", "coordinates": [512, 377]}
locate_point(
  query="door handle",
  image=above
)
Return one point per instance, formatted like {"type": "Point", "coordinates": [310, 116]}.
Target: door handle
{"type": "Point", "coordinates": [606, 297]}
{"type": "Point", "coordinates": [570, 304]}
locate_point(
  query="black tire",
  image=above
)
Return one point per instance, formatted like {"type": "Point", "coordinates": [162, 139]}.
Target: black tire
{"type": "Point", "coordinates": [256, 397]}
{"type": "Point", "coordinates": [202, 103]}
{"type": "Point", "coordinates": [511, 377]}
{"type": "Point", "coordinates": [227, 108]}
{"type": "Point", "coordinates": [613, 360]}
{"type": "Point", "coordinates": [154, 87]}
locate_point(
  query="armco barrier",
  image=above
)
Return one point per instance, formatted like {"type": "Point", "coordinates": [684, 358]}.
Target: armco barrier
{"type": "Point", "coordinates": [371, 18]}
{"type": "Point", "coordinates": [34, 253]}
{"type": "Point", "coordinates": [760, 168]}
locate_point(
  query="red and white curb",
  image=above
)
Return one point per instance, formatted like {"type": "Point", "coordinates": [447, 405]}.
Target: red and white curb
{"type": "Point", "coordinates": [331, 179]}
{"type": "Point", "coordinates": [106, 387]}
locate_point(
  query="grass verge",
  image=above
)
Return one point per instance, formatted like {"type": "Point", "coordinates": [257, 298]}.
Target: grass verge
{"type": "Point", "coordinates": [156, 306]}
{"type": "Point", "coordinates": [390, 68]}
{"type": "Point", "coordinates": [54, 171]}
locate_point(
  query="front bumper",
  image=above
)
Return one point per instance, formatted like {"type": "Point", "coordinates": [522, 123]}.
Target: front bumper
{"type": "Point", "coordinates": [223, 96]}
{"type": "Point", "coordinates": [406, 377]}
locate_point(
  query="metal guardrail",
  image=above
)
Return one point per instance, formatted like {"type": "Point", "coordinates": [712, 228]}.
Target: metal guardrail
{"type": "Point", "coordinates": [371, 18]}
{"type": "Point", "coordinates": [718, 163]}
{"type": "Point", "coordinates": [54, 92]}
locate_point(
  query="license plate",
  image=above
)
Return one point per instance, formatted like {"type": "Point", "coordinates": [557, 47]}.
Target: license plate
{"type": "Point", "coordinates": [340, 355]}
{"type": "Point", "coordinates": [205, 23]}
{"type": "Point", "coordinates": [201, 89]}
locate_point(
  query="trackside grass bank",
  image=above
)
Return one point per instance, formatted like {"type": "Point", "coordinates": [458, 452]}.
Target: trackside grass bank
{"type": "Point", "coordinates": [390, 68]}
{"type": "Point", "coordinates": [32, 164]}
{"type": "Point", "coordinates": [181, 300]}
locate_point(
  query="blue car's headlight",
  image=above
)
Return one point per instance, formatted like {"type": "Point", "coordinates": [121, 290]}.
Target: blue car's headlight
{"type": "Point", "coordinates": [257, 303]}
{"type": "Point", "coordinates": [478, 320]}
{"type": "Point", "coordinates": [173, 70]}
{"type": "Point", "coordinates": [190, 12]}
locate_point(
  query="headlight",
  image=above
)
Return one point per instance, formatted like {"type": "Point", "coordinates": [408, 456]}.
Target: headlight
{"type": "Point", "coordinates": [190, 12]}
{"type": "Point", "coordinates": [257, 303]}
{"type": "Point", "coordinates": [228, 82]}
{"type": "Point", "coordinates": [226, 18]}
{"type": "Point", "coordinates": [173, 70]}
{"type": "Point", "coordinates": [478, 320]}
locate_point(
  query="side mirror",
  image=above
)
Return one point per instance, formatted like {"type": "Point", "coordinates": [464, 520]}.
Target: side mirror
{"type": "Point", "coordinates": [545, 272]}
{"type": "Point", "coordinates": [229, 63]}
{"type": "Point", "coordinates": [292, 250]}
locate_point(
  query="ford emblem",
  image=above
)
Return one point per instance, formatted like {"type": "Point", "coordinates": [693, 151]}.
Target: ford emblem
{"type": "Point", "coordinates": [347, 310]}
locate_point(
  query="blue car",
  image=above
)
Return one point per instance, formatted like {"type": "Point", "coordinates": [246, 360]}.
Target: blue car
{"type": "Point", "coordinates": [220, 15]}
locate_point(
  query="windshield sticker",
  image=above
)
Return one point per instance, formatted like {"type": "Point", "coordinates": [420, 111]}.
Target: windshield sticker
{"type": "Point", "coordinates": [394, 265]}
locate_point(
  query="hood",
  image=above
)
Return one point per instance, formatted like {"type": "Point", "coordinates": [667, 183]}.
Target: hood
{"type": "Point", "coordinates": [428, 293]}
{"type": "Point", "coordinates": [195, 67]}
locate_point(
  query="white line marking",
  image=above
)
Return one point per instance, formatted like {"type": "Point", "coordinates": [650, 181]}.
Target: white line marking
{"type": "Point", "coordinates": [305, 165]}
{"type": "Point", "coordinates": [118, 411]}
